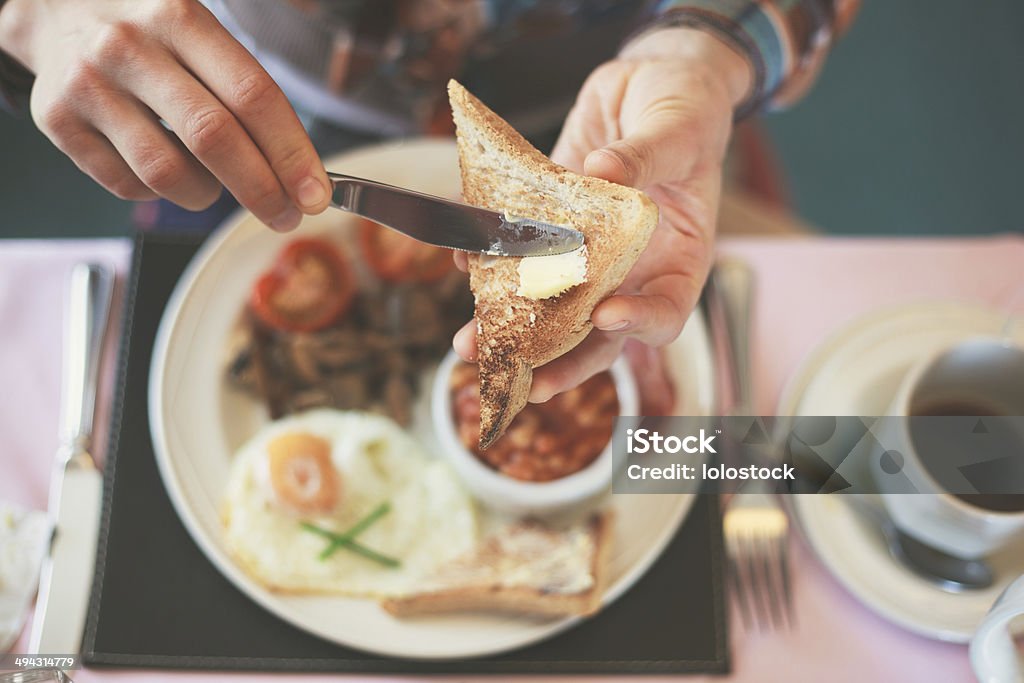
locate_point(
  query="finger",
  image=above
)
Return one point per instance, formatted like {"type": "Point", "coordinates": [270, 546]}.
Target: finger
{"type": "Point", "coordinates": [63, 120]}
{"type": "Point", "coordinates": [464, 342]}
{"type": "Point", "coordinates": [461, 260]}
{"type": "Point", "coordinates": [97, 158]}
{"type": "Point", "coordinates": [651, 373]}
{"type": "Point", "coordinates": [567, 150]}
{"type": "Point", "coordinates": [654, 320]}
{"type": "Point", "coordinates": [216, 138]}
{"type": "Point", "coordinates": [663, 148]}
{"type": "Point", "coordinates": [655, 317]}
{"type": "Point", "coordinates": [154, 156]}
{"type": "Point", "coordinates": [235, 77]}
{"type": "Point", "coordinates": [597, 352]}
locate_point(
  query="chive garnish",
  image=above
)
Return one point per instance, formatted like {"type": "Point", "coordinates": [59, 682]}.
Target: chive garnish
{"type": "Point", "coordinates": [347, 539]}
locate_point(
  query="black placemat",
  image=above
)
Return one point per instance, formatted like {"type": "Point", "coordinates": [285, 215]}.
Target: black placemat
{"type": "Point", "coordinates": [158, 602]}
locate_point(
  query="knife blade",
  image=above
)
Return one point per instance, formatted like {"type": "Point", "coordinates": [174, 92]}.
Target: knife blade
{"type": "Point", "coordinates": [76, 485]}
{"type": "Point", "coordinates": [446, 223]}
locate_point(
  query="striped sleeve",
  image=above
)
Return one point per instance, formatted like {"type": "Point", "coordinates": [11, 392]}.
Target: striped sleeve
{"type": "Point", "coordinates": [785, 41]}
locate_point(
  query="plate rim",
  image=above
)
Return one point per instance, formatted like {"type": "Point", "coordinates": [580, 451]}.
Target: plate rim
{"type": "Point", "coordinates": [216, 555]}
{"type": "Point", "coordinates": [791, 397]}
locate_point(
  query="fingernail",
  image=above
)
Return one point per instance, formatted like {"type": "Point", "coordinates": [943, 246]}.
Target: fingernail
{"type": "Point", "coordinates": [310, 192]}
{"type": "Point", "coordinates": [537, 396]}
{"type": "Point", "coordinates": [287, 220]}
{"type": "Point", "coordinates": [615, 326]}
{"type": "Point", "coordinates": [460, 340]}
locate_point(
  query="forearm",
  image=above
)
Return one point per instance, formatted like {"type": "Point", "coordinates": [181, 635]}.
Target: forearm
{"type": "Point", "coordinates": [784, 41]}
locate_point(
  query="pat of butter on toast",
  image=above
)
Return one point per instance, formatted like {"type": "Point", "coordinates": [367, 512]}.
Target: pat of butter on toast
{"type": "Point", "coordinates": [542, 277]}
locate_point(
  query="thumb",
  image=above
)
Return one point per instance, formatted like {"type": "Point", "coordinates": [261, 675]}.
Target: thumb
{"type": "Point", "coordinates": [662, 149]}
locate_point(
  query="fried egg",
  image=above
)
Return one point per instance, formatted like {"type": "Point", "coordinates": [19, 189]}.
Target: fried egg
{"type": "Point", "coordinates": [331, 469]}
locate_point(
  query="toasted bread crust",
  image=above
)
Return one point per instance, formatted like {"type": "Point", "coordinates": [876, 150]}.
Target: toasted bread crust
{"type": "Point", "coordinates": [515, 600]}
{"type": "Point", "coordinates": [501, 171]}
{"type": "Point", "coordinates": [519, 599]}
{"type": "Point", "coordinates": [504, 390]}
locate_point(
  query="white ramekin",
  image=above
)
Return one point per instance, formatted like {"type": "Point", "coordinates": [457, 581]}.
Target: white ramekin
{"type": "Point", "coordinates": [513, 496]}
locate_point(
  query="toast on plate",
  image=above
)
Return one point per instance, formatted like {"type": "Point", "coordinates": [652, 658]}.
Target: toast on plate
{"type": "Point", "coordinates": [501, 171]}
{"type": "Point", "coordinates": [524, 567]}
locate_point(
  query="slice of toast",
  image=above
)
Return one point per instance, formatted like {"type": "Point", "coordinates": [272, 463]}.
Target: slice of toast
{"type": "Point", "coordinates": [524, 568]}
{"type": "Point", "coordinates": [501, 171]}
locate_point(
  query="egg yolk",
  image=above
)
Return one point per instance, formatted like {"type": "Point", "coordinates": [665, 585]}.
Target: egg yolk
{"type": "Point", "coordinates": [302, 475]}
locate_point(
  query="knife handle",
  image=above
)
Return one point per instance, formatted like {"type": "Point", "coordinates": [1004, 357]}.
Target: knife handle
{"type": "Point", "coordinates": [91, 287]}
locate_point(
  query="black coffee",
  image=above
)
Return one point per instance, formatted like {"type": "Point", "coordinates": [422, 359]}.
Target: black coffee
{"type": "Point", "coordinates": [995, 466]}
{"type": "Point", "coordinates": [957, 407]}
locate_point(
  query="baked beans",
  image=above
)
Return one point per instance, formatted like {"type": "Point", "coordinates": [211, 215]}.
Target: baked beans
{"type": "Point", "coordinates": [546, 440]}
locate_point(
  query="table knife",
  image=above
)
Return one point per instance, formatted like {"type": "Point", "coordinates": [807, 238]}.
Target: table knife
{"type": "Point", "coordinates": [731, 286]}
{"type": "Point", "coordinates": [76, 485]}
{"type": "Point", "coordinates": [446, 223]}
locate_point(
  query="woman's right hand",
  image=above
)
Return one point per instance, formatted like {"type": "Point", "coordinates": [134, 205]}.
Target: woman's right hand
{"type": "Point", "coordinates": [109, 71]}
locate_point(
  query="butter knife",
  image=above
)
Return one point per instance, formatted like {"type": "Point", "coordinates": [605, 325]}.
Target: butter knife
{"type": "Point", "coordinates": [76, 485]}
{"type": "Point", "coordinates": [446, 223]}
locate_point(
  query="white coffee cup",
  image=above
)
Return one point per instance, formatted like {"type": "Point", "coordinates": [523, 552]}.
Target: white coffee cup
{"type": "Point", "coordinates": [994, 656]}
{"type": "Point", "coordinates": [988, 371]}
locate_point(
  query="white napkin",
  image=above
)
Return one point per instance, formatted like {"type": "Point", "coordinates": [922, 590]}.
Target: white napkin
{"type": "Point", "coordinates": [24, 536]}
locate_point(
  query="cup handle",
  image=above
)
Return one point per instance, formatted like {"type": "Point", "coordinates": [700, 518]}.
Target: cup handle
{"type": "Point", "coordinates": [993, 653]}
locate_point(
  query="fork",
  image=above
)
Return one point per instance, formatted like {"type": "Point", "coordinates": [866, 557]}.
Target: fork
{"type": "Point", "coordinates": [756, 538]}
{"type": "Point", "coordinates": [755, 525]}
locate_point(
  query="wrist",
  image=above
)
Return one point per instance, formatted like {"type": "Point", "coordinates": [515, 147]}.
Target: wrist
{"type": "Point", "coordinates": [727, 66]}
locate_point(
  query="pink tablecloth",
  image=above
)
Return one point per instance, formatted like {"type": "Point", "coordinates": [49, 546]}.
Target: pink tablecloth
{"type": "Point", "coordinates": [807, 288]}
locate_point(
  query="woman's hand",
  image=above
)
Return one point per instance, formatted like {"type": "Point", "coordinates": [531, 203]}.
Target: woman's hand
{"type": "Point", "coordinates": [107, 73]}
{"type": "Point", "coordinates": [657, 118]}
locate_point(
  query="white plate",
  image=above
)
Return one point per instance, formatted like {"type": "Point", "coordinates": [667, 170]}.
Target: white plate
{"type": "Point", "coordinates": [197, 422]}
{"type": "Point", "coordinates": [856, 372]}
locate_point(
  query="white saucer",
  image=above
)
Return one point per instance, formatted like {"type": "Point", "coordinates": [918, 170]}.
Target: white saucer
{"type": "Point", "coordinates": [856, 372]}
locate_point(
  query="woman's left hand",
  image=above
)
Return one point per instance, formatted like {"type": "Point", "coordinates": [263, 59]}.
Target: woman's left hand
{"type": "Point", "coordinates": [657, 118]}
